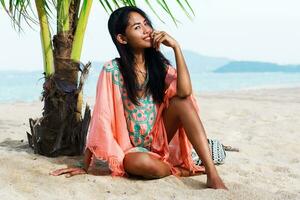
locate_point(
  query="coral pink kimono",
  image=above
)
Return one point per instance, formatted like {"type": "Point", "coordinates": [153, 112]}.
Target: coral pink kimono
{"type": "Point", "coordinates": [108, 137]}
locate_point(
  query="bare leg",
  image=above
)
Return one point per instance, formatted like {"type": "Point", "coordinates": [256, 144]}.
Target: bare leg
{"type": "Point", "coordinates": [182, 111]}
{"type": "Point", "coordinates": [145, 165]}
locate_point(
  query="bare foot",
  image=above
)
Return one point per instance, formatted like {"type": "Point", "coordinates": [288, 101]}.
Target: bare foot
{"type": "Point", "coordinates": [216, 183]}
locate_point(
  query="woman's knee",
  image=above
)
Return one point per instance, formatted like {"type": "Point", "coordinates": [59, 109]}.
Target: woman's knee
{"type": "Point", "coordinates": [144, 165]}
{"type": "Point", "coordinates": [158, 170]}
{"type": "Point", "coordinates": [181, 102]}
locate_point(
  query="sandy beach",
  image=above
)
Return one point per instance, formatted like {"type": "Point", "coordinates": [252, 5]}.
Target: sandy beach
{"type": "Point", "coordinates": [264, 124]}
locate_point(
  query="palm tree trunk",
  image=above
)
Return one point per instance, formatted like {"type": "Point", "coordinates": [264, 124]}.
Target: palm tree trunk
{"type": "Point", "coordinates": [62, 130]}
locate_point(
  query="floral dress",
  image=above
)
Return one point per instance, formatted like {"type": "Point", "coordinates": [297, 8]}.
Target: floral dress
{"type": "Point", "coordinates": [140, 119]}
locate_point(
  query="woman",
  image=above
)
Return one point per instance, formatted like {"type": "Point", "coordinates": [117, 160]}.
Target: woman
{"type": "Point", "coordinates": [145, 119]}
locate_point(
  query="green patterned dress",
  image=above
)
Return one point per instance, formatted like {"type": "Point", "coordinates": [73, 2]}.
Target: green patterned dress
{"type": "Point", "coordinates": [139, 119]}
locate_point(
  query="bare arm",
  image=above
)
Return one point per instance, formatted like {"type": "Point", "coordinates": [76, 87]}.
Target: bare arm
{"type": "Point", "coordinates": [184, 85]}
{"type": "Point", "coordinates": [71, 171]}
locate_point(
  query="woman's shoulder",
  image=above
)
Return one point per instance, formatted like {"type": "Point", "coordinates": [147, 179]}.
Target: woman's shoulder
{"type": "Point", "coordinates": [111, 65]}
{"type": "Point", "coordinates": [111, 69]}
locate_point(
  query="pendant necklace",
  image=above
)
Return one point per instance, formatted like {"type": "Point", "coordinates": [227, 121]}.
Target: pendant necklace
{"type": "Point", "coordinates": [142, 86]}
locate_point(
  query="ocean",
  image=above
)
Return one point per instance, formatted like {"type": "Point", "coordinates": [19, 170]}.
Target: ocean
{"type": "Point", "coordinates": [27, 86]}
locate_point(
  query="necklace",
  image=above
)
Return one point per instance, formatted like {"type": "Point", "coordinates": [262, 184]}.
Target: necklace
{"type": "Point", "coordinates": [141, 72]}
{"type": "Point", "coordinates": [142, 86]}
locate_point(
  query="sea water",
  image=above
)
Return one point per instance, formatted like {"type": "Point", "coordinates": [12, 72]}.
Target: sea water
{"type": "Point", "coordinates": [27, 86]}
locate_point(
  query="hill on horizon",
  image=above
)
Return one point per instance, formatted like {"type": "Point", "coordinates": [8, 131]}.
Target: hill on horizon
{"type": "Point", "coordinates": [197, 62]}
{"type": "Point", "coordinates": [254, 66]}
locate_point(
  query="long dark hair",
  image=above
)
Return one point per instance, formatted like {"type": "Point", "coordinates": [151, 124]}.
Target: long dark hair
{"type": "Point", "coordinates": [154, 60]}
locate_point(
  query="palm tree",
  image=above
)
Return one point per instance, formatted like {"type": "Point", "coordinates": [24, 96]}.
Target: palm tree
{"type": "Point", "coordinates": [63, 126]}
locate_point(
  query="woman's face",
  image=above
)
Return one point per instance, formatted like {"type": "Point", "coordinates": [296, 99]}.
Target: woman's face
{"type": "Point", "coordinates": [137, 33]}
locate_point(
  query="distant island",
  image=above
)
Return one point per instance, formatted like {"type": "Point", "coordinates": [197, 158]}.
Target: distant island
{"type": "Point", "coordinates": [251, 66]}
{"type": "Point", "coordinates": [197, 63]}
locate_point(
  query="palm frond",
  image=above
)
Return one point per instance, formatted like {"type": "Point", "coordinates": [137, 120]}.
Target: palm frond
{"type": "Point", "coordinates": [190, 7]}
{"type": "Point", "coordinates": [184, 10]}
{"type": "Point", "coordinates": [103, 5]}
{"type": "Point", "coordinates": [63, 15]}
{"type": "Point", "coordinates": [45, 38]}
{"type": "Point", "coordinates": [153, 10]}
{"type": "Point", "coordinates": [21, 11]}
{"type": "Point", "coordinates": [128, 2]}
{"type": "Point", "coordinates": [165, 6]}
{"type": "Point", "coordinates": [108, 7]}
{"type": "Point", "coordinates": [116, 3]}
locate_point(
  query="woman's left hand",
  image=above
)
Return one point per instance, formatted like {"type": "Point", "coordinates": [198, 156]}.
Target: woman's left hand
{"type": "Point", "coordinates": [70, 171]}
{"type": "Point", "coordinates": [159, 37]}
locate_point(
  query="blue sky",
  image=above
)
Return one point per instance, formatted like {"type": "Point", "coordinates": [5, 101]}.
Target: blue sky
{"type": "Point", "coordinates": [259, 30]}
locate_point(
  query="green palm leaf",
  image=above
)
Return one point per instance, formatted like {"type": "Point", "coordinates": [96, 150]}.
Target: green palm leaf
{"type": "Point", "coordinates": [108, 7]}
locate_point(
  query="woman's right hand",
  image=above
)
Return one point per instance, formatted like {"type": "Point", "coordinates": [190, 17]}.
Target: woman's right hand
{"type": "Point", "coordinates": [70, 171]}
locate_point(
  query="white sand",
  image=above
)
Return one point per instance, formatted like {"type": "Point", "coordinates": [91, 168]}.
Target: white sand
{"type": "Point", "coordinates": [264, 124]}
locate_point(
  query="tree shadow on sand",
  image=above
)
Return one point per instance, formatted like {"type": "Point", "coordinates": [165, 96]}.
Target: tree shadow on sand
{"type": "Point", "coordinates": [16, 145]}
{"type": "Point", "coordinates": [99, 167]}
